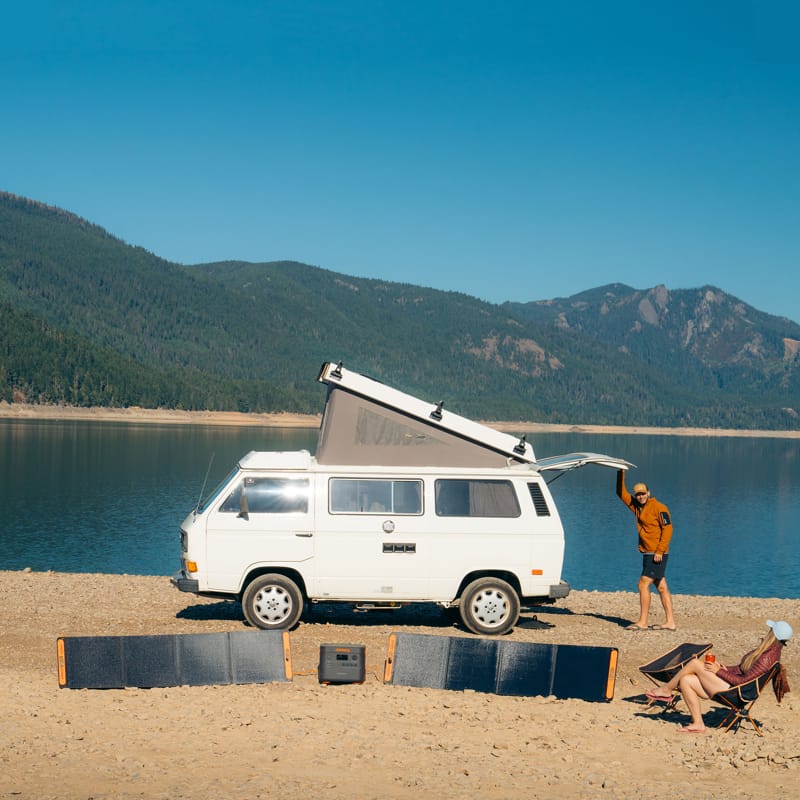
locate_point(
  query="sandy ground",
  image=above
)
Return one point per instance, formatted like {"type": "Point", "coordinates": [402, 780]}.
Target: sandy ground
{"type": "Point", "coordinates": [177, 417]}
{"type": "Point", "coordinates": [372, 740]}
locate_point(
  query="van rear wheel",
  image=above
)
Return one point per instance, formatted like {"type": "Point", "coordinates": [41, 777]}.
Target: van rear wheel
{"type": "Point", "coordinates": [489, 606]}
{"type": "Point", "coordinates": [272, 602]}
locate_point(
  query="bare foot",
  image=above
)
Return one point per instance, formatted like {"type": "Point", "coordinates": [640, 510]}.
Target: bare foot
{"type": "Point", "coordinates": [691, 729]}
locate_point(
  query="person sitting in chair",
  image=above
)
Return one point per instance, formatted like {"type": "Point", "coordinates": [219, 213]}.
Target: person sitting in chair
{"type": "Point", "coordinates": [702, 679]}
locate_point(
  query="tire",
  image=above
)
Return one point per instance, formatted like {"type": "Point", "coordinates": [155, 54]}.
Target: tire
{"type": "Point", "coordinates": [489, 606]}
{"type": "Point", "coordinates": [272, 602]}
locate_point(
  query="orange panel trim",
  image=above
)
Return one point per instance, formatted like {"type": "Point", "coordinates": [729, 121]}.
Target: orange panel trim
{"type": "Point", "coordinates": [612, 674]}
{"type": "Point", "coordinates": [389, 666]}
{"type": "Point", "coordinates": [62, 664]}
{"type": "Point", "coordinates": [287, 656]}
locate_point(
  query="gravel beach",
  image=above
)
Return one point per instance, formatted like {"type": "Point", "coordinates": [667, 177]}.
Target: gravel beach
{"type": "Point", "coordinates": [370, 740]}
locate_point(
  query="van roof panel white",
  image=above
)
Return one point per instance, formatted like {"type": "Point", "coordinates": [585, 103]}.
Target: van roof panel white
{"type": "Point", "coordinates": [266, 459]}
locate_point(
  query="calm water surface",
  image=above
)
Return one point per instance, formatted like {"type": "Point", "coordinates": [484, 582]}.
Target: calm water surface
{"type": "Point", "coordinates": [108, 497]}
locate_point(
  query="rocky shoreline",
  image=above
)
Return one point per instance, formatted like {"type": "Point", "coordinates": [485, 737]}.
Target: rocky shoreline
{"type": "Point", "coordinates": [286, 420]}
{"type": "Point", "coordinates": [369, 740]}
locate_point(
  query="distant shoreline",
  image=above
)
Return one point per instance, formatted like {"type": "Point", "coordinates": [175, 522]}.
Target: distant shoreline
{"type": "Point", "coordinates": [164, 416]}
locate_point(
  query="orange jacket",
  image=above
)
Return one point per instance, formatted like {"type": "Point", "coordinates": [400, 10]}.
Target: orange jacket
{"type": "Point", "coordinates": [653, 519]}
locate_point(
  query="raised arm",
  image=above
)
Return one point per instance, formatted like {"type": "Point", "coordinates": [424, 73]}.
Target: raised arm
{"type": "Point", "coordinates": [622, 490]}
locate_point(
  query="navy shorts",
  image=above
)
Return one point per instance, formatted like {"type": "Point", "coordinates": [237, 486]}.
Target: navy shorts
{"type": "Point", "coordinates": [653, 569]}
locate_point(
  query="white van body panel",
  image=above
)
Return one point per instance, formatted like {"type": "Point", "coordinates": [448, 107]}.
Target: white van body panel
{"type": "Point", "coordinates": [236, 546]}
{"type": "Point", "coordinates": [424, 506]}
{"type": "Point", "coordinates": [237, 543]}
{"type": "Point", "coordinates": [376, 555]}
{"type": "Point", "coordinates": [387, 557]}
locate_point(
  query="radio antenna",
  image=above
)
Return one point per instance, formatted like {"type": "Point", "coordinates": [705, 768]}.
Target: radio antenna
{"type": "Point", "coordinates": [205, 481]}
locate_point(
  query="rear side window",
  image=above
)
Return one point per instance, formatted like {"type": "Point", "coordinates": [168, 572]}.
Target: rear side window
{"type": "Point", "coordinates": [476, 498]}
{"type": "Point", "coordinates": [356, 496]}
{"type": "Point", "coordinates": [269, 496]}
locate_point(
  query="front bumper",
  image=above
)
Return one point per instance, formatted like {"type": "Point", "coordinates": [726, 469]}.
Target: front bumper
{"type": "Point", "coordinates": [559, 590]}
{"type": "Point", "coordinates": [184, 584]}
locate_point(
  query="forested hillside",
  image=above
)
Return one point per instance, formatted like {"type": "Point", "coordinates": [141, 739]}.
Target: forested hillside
{"type": "Point", "coordinates": [90, 320]}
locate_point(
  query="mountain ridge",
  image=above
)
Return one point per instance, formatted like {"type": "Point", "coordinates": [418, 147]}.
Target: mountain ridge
{"type": "Point", "coordinates": [134, 329]}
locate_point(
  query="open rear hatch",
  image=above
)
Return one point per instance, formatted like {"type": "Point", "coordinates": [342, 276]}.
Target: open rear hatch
{"type": "Point", "coordinates": [575, 460]}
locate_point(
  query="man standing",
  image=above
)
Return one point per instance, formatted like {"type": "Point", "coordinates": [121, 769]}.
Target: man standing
{"type": "Point", "coordinates": [655, 530]}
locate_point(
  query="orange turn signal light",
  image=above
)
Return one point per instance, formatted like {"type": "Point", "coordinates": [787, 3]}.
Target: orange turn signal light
{"type": "Point", "coordinates": [537, 572]}
{"type": "Point", "coordinates": [191, 566]}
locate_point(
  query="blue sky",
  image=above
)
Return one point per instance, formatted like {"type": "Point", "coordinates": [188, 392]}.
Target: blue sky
{"type": "Point", "coordinates": [509, 150]}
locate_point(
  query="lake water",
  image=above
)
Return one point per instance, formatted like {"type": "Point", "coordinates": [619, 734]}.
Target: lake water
{"type": "Point", "coordinates": [108, 497]}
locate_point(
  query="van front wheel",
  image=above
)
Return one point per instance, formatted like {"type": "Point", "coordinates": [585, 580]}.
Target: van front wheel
{"type": "Point", "coordinates": [272, 602]}
{"type": "Point", "coordinates": [489, 606]}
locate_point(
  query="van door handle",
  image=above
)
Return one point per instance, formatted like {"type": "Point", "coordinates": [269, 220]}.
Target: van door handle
{"type": "Point", "coordinates": [304, 535]}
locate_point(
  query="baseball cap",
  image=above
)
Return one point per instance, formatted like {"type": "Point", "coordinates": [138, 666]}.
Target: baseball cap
{"type": "Point", "coordinates": [640, 487]}
{"type": "Point", "coordinates": [782, 630]}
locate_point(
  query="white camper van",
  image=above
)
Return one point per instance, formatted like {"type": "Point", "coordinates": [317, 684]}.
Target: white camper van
{"type": "Point", "coordinates": [404, 502]}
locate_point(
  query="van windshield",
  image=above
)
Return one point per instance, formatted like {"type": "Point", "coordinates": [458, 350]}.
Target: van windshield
{"type": "Point", "coordinates": [208, 499]}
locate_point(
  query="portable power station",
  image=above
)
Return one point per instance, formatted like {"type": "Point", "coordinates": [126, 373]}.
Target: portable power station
{"type": "Point", "coordinates": [341, 663]}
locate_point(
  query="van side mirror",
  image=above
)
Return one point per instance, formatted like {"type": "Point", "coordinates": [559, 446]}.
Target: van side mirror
{"type": "Point", "coordinates": [244, 506]}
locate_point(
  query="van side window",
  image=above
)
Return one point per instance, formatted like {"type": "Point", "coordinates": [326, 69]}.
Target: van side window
{"type": "Point", "coordinates": [354, 496]}
{"type": "Point", "coordinates": [269, 496]}
{"type": "Point", "coordinates": [476, 498]}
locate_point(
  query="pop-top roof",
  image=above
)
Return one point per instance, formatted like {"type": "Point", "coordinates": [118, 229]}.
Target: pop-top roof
{"type": "Point", "coordinates": [367, 422]}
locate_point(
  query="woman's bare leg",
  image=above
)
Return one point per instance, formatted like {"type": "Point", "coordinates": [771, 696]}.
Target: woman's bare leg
{"type": "Point", "coordinates": [692, 668]}
{"type": "Point", "coordinates": [708, 681]}
{"type": "Point", "coordinates": [692, 691]}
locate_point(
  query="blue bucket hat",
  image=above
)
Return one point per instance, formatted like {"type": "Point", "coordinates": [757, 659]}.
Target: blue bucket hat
{"type": "Point", "coordinates": [782, 630]}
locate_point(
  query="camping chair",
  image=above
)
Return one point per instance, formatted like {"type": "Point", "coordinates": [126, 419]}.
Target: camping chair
{"type": "Point", "coordinates": [738, 700]}
{"type": "Point", "coordinates": [664, 668]}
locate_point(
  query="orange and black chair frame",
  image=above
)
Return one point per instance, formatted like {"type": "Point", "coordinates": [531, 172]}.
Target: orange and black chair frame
{"type": "Point", "coordinates": [738, 700]}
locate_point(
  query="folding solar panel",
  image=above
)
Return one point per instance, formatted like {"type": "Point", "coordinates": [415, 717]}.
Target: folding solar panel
{"type": "Point", "coordinates": [501, 667]}
{"type": "Point", "coordinates": [197, 659]}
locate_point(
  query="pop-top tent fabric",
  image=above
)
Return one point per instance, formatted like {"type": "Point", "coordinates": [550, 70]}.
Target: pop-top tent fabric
{"type": "Point", "coordinates": [357, 430]}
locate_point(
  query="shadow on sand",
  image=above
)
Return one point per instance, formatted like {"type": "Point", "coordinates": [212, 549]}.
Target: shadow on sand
{"type": "Point", "coordinates": [415, 615]}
